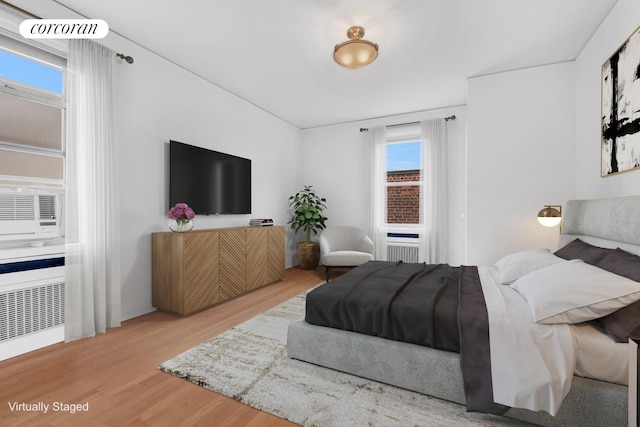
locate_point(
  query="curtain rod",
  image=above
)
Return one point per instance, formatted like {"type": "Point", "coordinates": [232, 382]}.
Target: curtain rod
{"type": "Point", "coordinates": [446, 119]}
{"type": "Point", "coordinates": [128, 59]}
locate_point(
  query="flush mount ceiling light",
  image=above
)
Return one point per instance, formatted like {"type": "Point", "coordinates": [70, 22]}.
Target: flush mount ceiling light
{"type": "Point", "coordinates": [355, 53]}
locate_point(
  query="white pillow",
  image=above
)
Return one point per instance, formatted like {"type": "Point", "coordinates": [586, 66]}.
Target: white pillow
{"type": "Point", "coordinates": [516, 265]}
{"type": "Point", "coordinates": [574, 291]}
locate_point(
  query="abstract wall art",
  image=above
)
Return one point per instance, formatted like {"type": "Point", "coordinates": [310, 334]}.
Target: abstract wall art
{"type": "Point", "coordinates": [620, 92]}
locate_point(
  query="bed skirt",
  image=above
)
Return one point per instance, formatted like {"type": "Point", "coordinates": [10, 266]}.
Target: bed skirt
{"type": "Point", "coordinates": [437, 373]}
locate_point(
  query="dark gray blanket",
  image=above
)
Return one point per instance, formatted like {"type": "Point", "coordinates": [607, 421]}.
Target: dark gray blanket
{"type": "Point", "coordinates": [437, 306]}
{"type": "Point", "coordinates": [475, 355]}
{"type": "Point", "coordinates": [414, 303]}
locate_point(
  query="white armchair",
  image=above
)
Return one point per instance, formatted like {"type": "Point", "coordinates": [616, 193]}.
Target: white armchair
{"type": "Point", "coordinates": [344, 247]}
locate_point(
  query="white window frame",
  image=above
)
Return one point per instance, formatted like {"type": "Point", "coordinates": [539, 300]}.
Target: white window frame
{"type": "Point", "coordinates": [397, 135]}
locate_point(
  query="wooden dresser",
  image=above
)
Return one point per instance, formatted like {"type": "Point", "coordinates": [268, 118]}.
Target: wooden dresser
{"type": "Point", "coordinates": [200, 268]}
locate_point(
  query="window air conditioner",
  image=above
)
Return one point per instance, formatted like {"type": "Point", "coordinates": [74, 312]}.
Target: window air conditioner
{"type": "Point", "coordinates": [29, 215]}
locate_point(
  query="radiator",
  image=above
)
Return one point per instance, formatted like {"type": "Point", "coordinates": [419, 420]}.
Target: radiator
{"type": "Point", "coordinates": [32, 300]}
{"type": "Point", "coordinates": [30, 310]}
{"type": "Point", "coordinates": [401, 250]}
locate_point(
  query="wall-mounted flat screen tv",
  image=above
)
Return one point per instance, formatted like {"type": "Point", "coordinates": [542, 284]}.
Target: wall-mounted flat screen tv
{"type": "Point", "coordinates": [208, 181]}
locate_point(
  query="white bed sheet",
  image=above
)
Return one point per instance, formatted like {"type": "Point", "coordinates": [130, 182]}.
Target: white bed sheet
{"type": "Point", "coordinates": [540, 379]}
{"type": "Point", "coordinates": [600, 357]}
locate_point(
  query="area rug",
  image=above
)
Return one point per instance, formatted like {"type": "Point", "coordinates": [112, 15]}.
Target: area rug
{"type": "Point", "coordinates": [249, 363]}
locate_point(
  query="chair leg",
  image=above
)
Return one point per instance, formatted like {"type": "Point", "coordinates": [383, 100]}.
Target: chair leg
{"type": "Point", "coordinates": [327, 271]}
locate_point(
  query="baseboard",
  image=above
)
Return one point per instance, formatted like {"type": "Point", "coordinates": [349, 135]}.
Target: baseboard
{"type": "Point", "coordinates": [17, 346]}
{"type": "Point", "coordinates": [136, 310]}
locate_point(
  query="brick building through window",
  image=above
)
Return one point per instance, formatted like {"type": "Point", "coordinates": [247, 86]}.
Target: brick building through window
{"type": "Point", "coordinates": [403, 201]}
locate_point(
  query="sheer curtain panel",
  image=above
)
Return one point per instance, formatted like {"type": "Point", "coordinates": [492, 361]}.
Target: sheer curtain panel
{"type": "Point", "coordinates": [379, 193]}
{"type": "Point", "coordinates": [434, 246]}
{"type": "Point", "coordinates": [91, 213]}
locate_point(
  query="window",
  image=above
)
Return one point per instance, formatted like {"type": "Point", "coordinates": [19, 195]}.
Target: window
{"type": "Point", "coordinates": [404, 182]}
{"type": "Point", "coordinates": [404, 176]}
{"type": "Point", "coordinates": [29, 72]}
{"type": "Point", "coordinates": [398, 194]}
{"type": "Point", "coordinates": [32, 110]}
{"type": "Point", "coordinates": [408, 192]}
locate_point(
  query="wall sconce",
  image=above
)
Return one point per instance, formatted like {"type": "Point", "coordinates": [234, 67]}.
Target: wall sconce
{"type": "Point", "coordinates": [550, 216]}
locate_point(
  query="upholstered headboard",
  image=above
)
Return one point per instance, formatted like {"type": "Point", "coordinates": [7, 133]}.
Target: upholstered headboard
{"type": "Point", "coordinates": [608, 223]}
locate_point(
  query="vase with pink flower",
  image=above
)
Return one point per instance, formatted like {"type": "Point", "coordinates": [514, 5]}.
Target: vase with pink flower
{"type": "Point", "coordinates": [181, 217]}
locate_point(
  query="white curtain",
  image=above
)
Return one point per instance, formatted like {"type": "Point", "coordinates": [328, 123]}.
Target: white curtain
{"type": "Point", "coordinates": [91, 213]}
{"type": "Point", "coordinates": [434, 245]}
{"type": "Point", "coordinates": [378, 192]}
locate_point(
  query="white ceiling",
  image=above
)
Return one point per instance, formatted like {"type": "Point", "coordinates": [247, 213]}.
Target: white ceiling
{"type": "Point", "coordinates": [277, 54]}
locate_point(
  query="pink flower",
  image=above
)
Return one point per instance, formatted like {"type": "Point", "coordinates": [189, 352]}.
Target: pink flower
{"type": "Point", "coordinates": [181, 212]}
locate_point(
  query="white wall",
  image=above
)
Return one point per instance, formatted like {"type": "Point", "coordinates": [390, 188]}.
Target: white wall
{"type": "Point", "coordinates": [614, 30]}
{"type": "Point", "coordinates": [520, 155]}
{"type": "Point", "coordinates": [336, 162]}
{"type": "Point", "coordinates": [534, 139]}
{"type": "Point", "coordinates": [158, 101]}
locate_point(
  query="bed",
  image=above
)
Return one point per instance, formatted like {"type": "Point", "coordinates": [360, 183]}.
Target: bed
{"type": "Point", "coordinates": [589, 399]}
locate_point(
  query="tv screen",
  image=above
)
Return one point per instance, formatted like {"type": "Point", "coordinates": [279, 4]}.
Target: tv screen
{"type": "Point", "coordinates": [208, 181]}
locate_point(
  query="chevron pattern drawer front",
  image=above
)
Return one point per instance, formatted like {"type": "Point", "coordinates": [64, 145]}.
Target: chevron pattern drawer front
{"type": "Point", "coordinates": [233, 263]}
{"type": "Point", "coordinates": [201, 285]}
{"type": "Point", "coordinates": [257, 252]}
{"type": "Point", "coordinates": [275, 254]}
{"type": "Point", "coordinates": [195, 270]}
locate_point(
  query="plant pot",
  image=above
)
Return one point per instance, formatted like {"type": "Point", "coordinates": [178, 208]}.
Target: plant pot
{"type": "Point", "coordinates": [308, 255]}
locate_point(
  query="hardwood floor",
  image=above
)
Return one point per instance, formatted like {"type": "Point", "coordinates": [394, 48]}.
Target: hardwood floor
{"type": "Point", "coordinates": [115, 374]}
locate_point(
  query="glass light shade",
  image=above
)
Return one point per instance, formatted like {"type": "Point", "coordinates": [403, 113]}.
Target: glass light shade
{"type": "Point", "coordinates": [549, 221]}
{"type": "Point", "coordinates": [355, 53]}
{"type": "Point", "coordinates": [549, 216]}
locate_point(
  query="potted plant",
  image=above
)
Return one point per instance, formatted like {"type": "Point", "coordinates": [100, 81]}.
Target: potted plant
{"type": "Point", "coordinates": [181, 217]}
{"type": "Point", "coordinates": [307, 215]}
